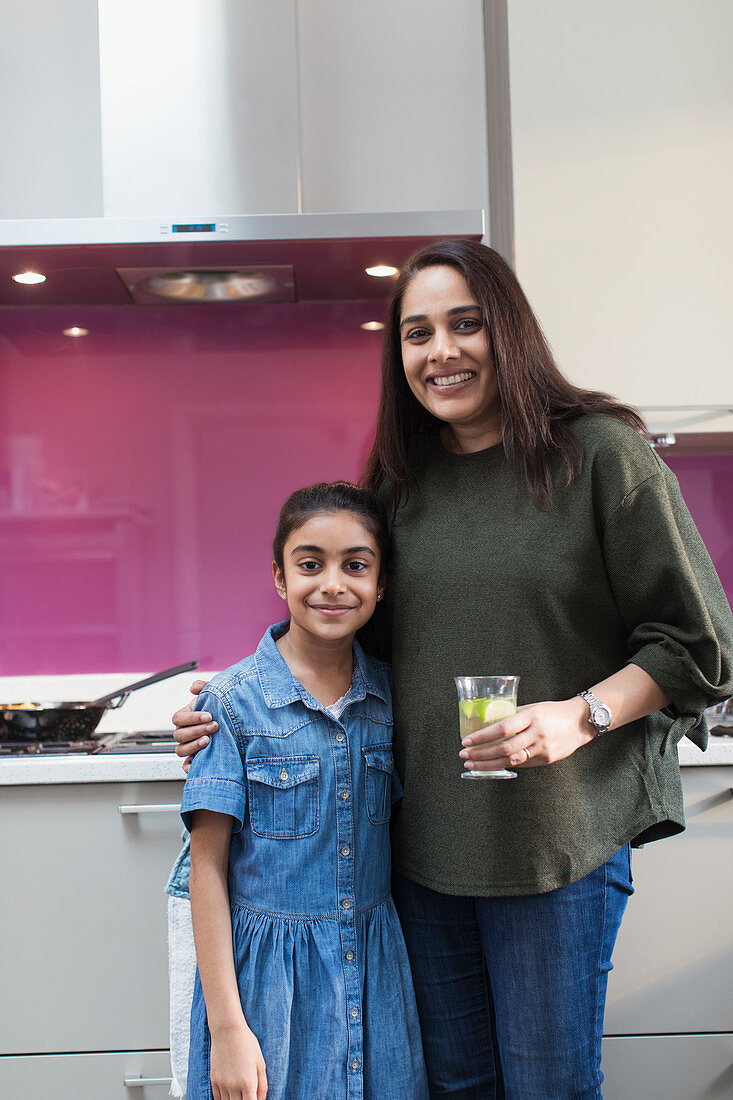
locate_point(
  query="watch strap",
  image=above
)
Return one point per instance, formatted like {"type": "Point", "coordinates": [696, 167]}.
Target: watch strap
{"type": "Point", "coordinates": [595, 704]}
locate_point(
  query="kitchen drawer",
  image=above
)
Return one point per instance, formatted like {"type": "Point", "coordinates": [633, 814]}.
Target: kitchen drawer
{"type": "Point", "coordinates": [668, 1067]}
{"type": "Point", "coordinates": [87, 1076]}
{"type": "Point", "coordinates": [674, 957]}
{"type": "Point", "coordinates": [83, 922]}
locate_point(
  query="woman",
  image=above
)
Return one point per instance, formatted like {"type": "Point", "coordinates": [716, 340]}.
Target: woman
{"type": "Point", "coordinates": [536, 534]}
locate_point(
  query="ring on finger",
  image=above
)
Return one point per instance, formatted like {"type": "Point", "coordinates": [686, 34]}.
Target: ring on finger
{"type": "Point", "coordinates": [528, 756]}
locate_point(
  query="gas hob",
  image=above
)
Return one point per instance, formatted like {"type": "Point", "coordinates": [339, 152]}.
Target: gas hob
{"type": "Point", "coordinates": [139, 741]}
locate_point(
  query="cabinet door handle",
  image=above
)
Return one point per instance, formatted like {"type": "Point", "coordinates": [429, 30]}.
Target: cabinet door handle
{"type": "Point", "coordinates": [693, 809]}
{"type": "Point", "coordinates": [162, 808]}
{"type": "Point", "coordinates": [141, 1082]}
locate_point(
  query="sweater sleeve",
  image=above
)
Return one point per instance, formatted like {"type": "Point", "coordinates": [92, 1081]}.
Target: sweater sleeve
{"type": "Point", "coordinates": [679, 623]}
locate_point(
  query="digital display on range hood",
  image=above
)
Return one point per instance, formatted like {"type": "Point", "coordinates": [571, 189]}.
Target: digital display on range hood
{"type": "Point", "coordinates": [200, 227]}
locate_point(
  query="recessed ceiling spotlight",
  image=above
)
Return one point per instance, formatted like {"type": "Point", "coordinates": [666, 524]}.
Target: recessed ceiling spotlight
{"type": "Point", "coordinates": [381, 271]}
{"type": "Point", "coordinates": [373, 326]}
{"type": "Point", "coordinates": [76, 331]}
{"type": "Point", "coordinates": [29, 277]}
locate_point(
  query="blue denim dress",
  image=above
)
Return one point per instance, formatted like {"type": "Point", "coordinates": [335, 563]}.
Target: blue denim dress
{"type": "Point", "coordinates": [319, 954]}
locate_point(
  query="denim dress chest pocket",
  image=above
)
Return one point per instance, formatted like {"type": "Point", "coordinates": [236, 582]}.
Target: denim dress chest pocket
{"type": "Point", "coordinates": [378, 776]}
{"type": "Point", "coordinates": [283, 796]}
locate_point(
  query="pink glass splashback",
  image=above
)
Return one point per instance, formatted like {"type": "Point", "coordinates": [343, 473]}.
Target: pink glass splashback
{"type": "Point", "coordinates": [706, 482]}
{"type": "Point", "coordinates": [142, 469]}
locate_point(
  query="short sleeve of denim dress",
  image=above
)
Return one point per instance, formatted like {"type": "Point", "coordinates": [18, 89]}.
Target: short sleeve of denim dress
{"type": "Point", "coordinates": [216, 776]}
{"type": "Point", "coordinates": [319, 955]}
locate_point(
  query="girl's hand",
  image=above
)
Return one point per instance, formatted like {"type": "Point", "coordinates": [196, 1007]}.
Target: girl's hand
{"type": "Point", "coordinates": [237, 1066]}
{"type": "Point", "coordinates": [539, 733]}
{"type": "Point", "coordinates": [192, 728]}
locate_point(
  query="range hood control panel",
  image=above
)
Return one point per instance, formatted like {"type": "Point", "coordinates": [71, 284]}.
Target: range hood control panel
{"type": "Point", "coordinates": [195, 227]}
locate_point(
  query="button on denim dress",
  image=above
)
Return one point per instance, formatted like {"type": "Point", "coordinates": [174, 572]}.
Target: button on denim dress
{"type": "Point", "coordinates": [319, 955]}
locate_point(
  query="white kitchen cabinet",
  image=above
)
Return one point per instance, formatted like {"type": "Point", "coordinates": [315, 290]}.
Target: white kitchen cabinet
{"type": "Point", "coordinates": [668, 1067]}
{"type": "Point", "coordinates": [622, 161]}
{"type": "Point", "coordinates": [83, 924]}
{"type": "Point", "coordinates": [131, 1075]}
{"type": "Point", "coordinates": [392, 105]}
{"type": "Point", "coordinates": [674, 956]}
{"type": "Point", "coordinates": [669, 1014]}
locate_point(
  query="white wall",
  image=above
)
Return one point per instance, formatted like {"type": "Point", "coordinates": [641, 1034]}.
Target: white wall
{"type": "Point", "coordinates": [623, 150]}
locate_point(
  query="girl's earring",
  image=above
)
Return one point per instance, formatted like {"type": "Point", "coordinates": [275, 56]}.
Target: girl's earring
{"type": "Point", "coordinates": [379, 595]}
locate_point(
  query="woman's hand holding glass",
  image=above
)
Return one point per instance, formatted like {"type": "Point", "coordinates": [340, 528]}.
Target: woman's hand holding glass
{"type": "Point", "coordinates": [192, 727]}
{"type": "Point", "coordinates": [539, 733]}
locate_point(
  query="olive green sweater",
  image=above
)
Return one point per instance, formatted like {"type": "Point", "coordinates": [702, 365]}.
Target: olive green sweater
{"type": "Point", "coordinates": [485, 583]}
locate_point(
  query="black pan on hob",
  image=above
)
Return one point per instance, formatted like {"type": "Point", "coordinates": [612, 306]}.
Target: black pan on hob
{"type": "Point", "coordinates": [70, 721]}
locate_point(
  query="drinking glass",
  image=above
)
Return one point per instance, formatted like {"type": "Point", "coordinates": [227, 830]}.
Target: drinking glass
{"type": "Point", "coordinates": [483, 700]}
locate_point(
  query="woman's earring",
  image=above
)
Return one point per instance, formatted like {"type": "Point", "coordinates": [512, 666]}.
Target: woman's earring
{"type": "Point", "coordinates": [379, 595]}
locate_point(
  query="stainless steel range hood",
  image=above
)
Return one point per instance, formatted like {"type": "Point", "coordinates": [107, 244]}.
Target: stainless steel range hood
{"type": "Point", "coordinates": [88, 260]}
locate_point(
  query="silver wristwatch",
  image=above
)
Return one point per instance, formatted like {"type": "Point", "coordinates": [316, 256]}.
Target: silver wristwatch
{"type": "Point", "coordinates": [600, 714]}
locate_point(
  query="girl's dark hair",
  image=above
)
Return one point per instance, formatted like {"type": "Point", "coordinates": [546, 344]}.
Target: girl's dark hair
{"type": "Point", "coordinates": [329, 498]}
{"type": "Point", "coordinates": [536, 401]}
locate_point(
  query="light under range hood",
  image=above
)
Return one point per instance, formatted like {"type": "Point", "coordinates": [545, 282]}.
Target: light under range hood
{"type": "Point", "coordinates": [290, 257]}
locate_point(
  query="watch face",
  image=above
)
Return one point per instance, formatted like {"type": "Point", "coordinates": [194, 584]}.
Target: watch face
{"type": "Point", "coordinates": [601, 716]}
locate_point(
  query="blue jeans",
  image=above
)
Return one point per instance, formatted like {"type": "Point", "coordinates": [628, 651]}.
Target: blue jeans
{"type": "Point", "coordinates": [511, 990]}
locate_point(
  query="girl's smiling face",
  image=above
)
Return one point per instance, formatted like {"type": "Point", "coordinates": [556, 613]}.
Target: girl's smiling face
{"type": "Point", "coordinates": [446, 358]}
{"type": "Point", "coordinates": [331, 576]}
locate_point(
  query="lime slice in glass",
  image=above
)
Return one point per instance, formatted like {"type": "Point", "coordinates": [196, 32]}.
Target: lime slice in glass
{"type": "Point", "coordinates": [468, 706]}
{"type": "Point", "coordinates": [493, 710]}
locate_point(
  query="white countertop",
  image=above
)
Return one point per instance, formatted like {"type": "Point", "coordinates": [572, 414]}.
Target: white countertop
{"type": "Point", "coordinates": [113, 768]}
{"type": "Point", "coordinates": [142, 767]}
{"type": "Point", "coordinates": [719, 751]}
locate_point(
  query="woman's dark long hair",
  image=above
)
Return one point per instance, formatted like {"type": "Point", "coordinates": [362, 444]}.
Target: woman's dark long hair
{"type": "Point", "coordinates": [536, 402]}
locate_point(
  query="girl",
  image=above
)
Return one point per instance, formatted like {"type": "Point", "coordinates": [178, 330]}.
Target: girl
{"type": "Point", "coordinates": [303, 989]}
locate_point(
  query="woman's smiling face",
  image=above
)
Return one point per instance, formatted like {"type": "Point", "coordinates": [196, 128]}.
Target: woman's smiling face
{"type": "Point", "coordinates": [445, 353]}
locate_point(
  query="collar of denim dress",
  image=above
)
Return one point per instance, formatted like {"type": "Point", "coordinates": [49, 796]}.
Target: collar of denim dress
{"type": "Point", "coordinates": [280, 687]}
